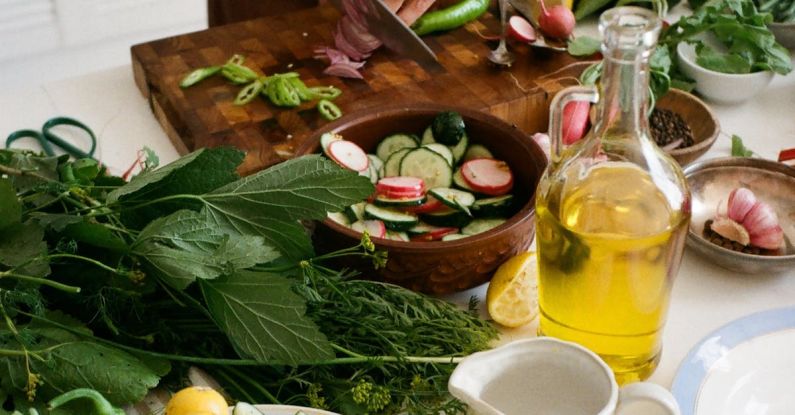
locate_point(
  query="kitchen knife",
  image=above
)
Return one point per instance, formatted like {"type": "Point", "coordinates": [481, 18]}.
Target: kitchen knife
{"type": "Point", "coordinates": [393, 32]}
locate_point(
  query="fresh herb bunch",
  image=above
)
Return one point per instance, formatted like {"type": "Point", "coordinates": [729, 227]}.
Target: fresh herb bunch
{"type": "Point", "coordinates": [112, 286]}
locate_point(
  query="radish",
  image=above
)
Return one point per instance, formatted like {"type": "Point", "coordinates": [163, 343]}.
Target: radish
{"type": "Point", "coordinates": [521, 29]}
{"type": "Point", "coordinates": [575, 121]}
{"type": "Point", "coordinates": [488, 176]}
{"type": "Point", "coordinates": [556, 22]}
{"type": "Point", "coordinates": [347, 154]}
{"type": "Point", "coordinates": [430, 205]}
{"type": "Point", "coordinates": [375, 228]}
{"type": "Point", "coordinates": [434, 235]}
{"type": "Point", "coordinates": [400, 187]}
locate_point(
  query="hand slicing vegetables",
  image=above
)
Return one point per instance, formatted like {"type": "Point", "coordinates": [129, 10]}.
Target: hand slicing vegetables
{"type": "Point", "coordinates": [434, 188]}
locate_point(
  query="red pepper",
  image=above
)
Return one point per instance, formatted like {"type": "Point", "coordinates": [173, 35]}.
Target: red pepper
{"type": "Point", "coordinates": [786, 155]}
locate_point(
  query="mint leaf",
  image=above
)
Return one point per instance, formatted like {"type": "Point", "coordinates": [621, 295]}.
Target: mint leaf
{"type": "Point", "coordinates": [199, 172]}
{"type": "Point", "coordinates": [20, 244]}
{"type": "Point", "coordinates": [583, 46]}
{"type": "Point", "coordinates": [270, 203]}
{"type": "Point", "coordinates": [54, 221]}
{"type": "Point", "coordinates": [10, 209]}
{"type": "Point", "coordinates": [28, 161]}
{"type": "Point", "coordinates": [264, 318]}
{"type": "Point", "coordinates": [739, 149]}
{"type": "Point", "coordinates": [184, 246]}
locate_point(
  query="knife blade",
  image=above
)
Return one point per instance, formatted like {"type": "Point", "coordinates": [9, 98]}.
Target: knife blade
{"type": "Point", "coordinates": [384, 24]}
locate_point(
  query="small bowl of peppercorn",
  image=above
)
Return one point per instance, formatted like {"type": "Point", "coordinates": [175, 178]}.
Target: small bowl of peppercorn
{"type": "Point", "coordinates": [683, 125]}
{"type": "Point", "coordinates": [743, 213]}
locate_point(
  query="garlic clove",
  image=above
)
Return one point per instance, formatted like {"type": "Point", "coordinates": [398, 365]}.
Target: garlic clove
{"type": "Point", "coordinates": [770, 238]}
{"type": "Point", "coordinates": [730, 229]}
{"type": "Point", "coordinates": [741, 201]}
{"type": "Point", "coordinates": [760, 218]}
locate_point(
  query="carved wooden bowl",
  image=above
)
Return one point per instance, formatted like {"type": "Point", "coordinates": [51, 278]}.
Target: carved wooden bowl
{"type": "Point", "coordinates": [441, 267]}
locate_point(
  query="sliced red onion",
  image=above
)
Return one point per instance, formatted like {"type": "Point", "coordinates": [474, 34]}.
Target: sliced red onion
{"type": "Point", "coordinates": [358, 36]}
{"type": "Point", "coordinates": [673, 145]}
{"type": "Point", "coordinates": [343, 70]}
{"type": "Point", "coordinates": [343, 45]}
{"type": "Point", "coordinates": [354, 11]}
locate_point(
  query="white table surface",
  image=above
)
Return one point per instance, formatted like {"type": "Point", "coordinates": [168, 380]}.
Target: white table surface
{"type": "Point", "coordinates": [705, 296]}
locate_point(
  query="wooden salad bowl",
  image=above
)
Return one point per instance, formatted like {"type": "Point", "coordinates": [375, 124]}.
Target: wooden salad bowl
{"type": "Point", "coordinates": [702, 121]}
{"type": "Point", "coordinates": [440, 267]}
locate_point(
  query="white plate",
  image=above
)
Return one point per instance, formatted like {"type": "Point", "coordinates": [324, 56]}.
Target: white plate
{"type": "Point", "coordinates": [289, 410]}
{"type": "Point", "coordinates": [746, 367]}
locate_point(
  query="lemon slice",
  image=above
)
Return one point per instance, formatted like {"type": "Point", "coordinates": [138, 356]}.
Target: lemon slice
{"type": "Point", "coordinates": [512, 296]}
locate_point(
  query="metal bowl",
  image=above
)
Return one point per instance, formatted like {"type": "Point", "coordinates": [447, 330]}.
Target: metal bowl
{"type": "Point", "coordinates": [712, 180]}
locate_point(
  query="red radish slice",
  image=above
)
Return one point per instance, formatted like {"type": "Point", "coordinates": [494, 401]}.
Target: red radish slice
{"type": "Point", "coordinates": [435, 235]}
{"type": "Point", "coordinates": [575, 121]}
{"type": "Point", "coordinates": [401, 184]}
{"type": "Point", "coordinates": [521, 29]}
{"type": "Point", "coordinates": [397, 196]}
{"type": "Point", "coordinates": [430, 205]}
{"type": "Point", "coordinates": [488, 176]}
{"type": "Point", "coordinates": [375, 228]}
{"type": "Point", "coordinates": [347, 154]}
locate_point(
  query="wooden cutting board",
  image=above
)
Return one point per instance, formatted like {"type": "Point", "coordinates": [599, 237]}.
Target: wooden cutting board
{"type": "Point", "coordinates": [204, 115]}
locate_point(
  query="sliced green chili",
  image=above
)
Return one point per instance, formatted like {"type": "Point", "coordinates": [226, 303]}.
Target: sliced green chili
{"type": "Point", "coordinates": [285, 94]}
{"type": "Point", "coordinates": [238, 74]}
{"type": "Point", "coordinates": [199, 75]}
{"type": "Point", "coordinates": [303, 92]}
{"type": "Point", "coordinates": [328, 110]}
{"type": "Point", "coordinates": [248, 93]}
{"type": "Point", "coordinates": [325, 92]}
{"type": "Point", "coordinates": [236, 59]}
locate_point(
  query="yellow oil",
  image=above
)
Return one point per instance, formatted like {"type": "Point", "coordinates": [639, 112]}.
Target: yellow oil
{"type": "Point", "coordinates": [609, 246]}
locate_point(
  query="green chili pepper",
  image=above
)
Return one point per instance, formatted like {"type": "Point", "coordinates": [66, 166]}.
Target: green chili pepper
{"type": "Point", "coordinates": [248, 93]}
{"type": "Point", "coordinates": [328, 109]}
{"type": "Point", "coordinates": [238, 74]}
{"type": "Point", "coordinates": [236, 59]}
{"type": "Point", "coordinates": [325, 92]}
{"type": "Point", "coordinates": [285, 94]}
{"type": "Point", "coordinates": [102, 406]}
{"type": "Point", "coordinates": [199, 75]}
{"type": "Point", "coordinates": [303, 92]}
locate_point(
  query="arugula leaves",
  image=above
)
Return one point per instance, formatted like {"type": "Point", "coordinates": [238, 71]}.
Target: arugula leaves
{"type": "Point", "coordinates": [264, 319]}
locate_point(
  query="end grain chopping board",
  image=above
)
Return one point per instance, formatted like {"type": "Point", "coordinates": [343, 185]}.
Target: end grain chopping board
{"type": "Point", "coordinates": [204, 115]}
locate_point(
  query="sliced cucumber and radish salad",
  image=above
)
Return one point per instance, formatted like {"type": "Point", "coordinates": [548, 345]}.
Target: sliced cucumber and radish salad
{"type": "Point", "coordinates": [435, 186]}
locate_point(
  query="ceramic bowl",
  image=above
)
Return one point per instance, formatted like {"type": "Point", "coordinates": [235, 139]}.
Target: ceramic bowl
{"type": "Point", "coordinates": [785, 33]}
{"type": "Point", "coordinates": [702, 121]}
{"type": "Point", "coordinates": [721, 87]}
{"type": "Point", "coordinates": [712, 180]}
{"type": "Point", "coordinates": [452, 266]}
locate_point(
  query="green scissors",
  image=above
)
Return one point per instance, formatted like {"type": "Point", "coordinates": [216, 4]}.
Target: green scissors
{"type": "Point", "coordinates": [47, 138]}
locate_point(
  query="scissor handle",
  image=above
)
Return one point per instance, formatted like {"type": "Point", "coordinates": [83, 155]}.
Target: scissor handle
{"type": "Point", "coordinates": [16, 135]}
{"type": "Point", "coordinates": [69, 148]}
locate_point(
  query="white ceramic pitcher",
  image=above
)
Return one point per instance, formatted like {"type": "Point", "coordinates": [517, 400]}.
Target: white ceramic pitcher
{"type": "Point", "coordinates": [546, 376]}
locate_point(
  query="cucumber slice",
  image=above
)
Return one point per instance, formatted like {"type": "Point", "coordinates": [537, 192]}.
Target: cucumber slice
{"type": "Point", "coordinates": [456, 199]}
{"type": "Point", "coordinates": [460, 149]}
{"type": "Point", "coordinates": [427, 136]}
{"type": "Point", "coordinates": [392, 165]}
{"type": "Point", "coordinates": [388, 202]}
{"type": "Point", "coordinates": [481, 225]}
{"type": "Point", "coordinates": [393, 219]}
{"type": "Point", "coordinates": [452, 218]}
{"type": "Point", "coordinates": [393, 143]}
{"type": "Point", "coordinates": [397, 236]}
{"type": "Point", "coordinates": [327, 138]}
{"type": "Point", "coordinates": [453, 237]}
{"type": "Point", "coordinates": [477, 151]}
{"type": "Point", "coordinates": [355, 212]}
{"type": "Point", "coordinates": [500, 206]}
{"type": "Point", "coordinates": [242, 408]}
{"type": "Point", "coordinates": [427, 165]}
{"type": "Point", "coordinates": [459, 182]}
{"type": "Point", "coordinates": [421, 228]}
{"type": "Point", "coordinates": [376, 168]}
{"type": "Point", "coordinates": [340, 218]}
{"type": "Point", "coordinates": [443, 151]}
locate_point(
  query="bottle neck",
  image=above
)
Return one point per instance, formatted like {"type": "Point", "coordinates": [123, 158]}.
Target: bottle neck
{"type": "Point", "coordinates": [624, 88]}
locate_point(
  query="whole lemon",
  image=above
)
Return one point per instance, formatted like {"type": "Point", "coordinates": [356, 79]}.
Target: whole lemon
{"type": "Point", "coordinates": [197, 400]}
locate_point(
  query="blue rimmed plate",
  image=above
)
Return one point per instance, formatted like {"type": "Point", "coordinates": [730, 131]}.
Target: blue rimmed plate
{"type": "Point", "coordinates": [746, 367]}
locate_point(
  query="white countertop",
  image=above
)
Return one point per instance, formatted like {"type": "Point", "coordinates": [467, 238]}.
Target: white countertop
{"type": "Point", "coordinates": [705, 296]}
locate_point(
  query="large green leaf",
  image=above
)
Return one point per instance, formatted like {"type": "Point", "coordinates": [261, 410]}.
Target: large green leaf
{"type": "Point", "coordinates": [199, 172]}
{"type": "Point", "coordinates": [264, 318]}
{"type": "Point", "coordinates": [28, 161]}
{"type": "Point", "coordinates": [20, 244]}
{"type": "Point", "coordinates": [185, 246]}
{"type": "Point", "coordinates": [271, 202]}
{"type": "Point", "coordinates": [10, 209]}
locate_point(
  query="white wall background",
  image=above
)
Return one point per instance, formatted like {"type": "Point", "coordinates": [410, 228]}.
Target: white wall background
{"type": "Point", "coordinates": [46, 40]}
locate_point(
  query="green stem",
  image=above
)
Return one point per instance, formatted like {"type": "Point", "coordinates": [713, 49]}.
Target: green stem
{"type": "Point", "coordinates": [240, 374]}
{"type": "Point", "coordinates": [43, 281]}
{"type": "Point", "coordinates": [90, 261]}
{"type": "Point", "coordinates": [101, 405]}
{"type": "Point", "coordinates": [17, 172]}
{"type": "Point", "coordinates": [229, 379]}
